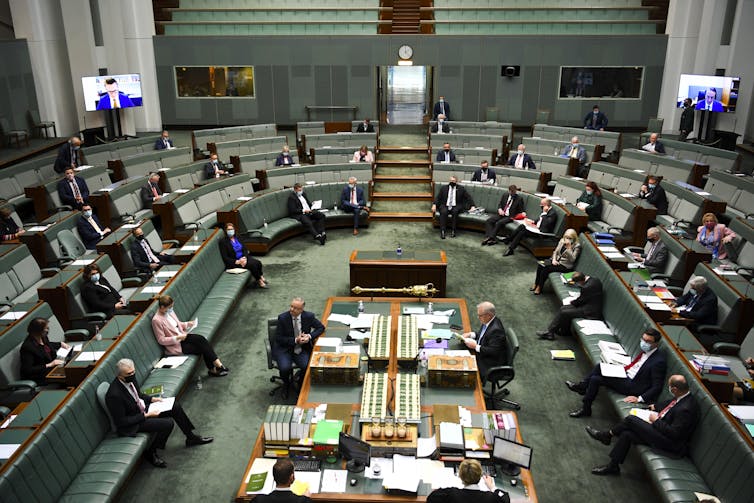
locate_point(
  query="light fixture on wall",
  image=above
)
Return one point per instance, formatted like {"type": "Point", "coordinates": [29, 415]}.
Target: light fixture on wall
{"type": "Point", "coordinates": [405, 52]}
{"type": "Point", "coordinates": [405, 62]}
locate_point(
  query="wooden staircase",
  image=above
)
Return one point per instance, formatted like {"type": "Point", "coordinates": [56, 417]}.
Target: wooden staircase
{"type": "Point", "coordinates": [404, 15]}
{"type": "Point", "coordinates": [160, 9]}
{"type": "Point", "coordinates": [415, 169]}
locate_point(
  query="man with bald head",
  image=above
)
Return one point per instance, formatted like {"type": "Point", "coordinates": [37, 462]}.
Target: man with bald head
{"type": "Point", "coordinates": [655, 254]}
{"type": "Point", "coordinates": [294, 339]}
{"type": "Point", "coordinates": [654, 146]}
{"type": "Point", "coordinates": [489, 342]}
{"type": "Point", "coordinates": [521, 160]}
{"type": "Point", "coordinates": [352, 201]}
{"type": "Point", "coordinates": [69, 155]}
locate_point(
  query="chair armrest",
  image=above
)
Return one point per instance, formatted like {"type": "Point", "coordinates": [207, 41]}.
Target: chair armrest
{"type": "Point", "coordinates": [634, 249]}
{"type": "Point", "coordinates": [726, 348]}
{"type": "Point", "coordinates": [747, 270]}
{"type": "Point", "coordinates": [659, 275]}
{"type": "Point", "coordinates": [505, 372]}
{"type": "Point", "coordinates": [49, 272]}
{"type": "Point", "coordinates": [171, 242]}
{"type": "Point", "coordinates": [76, 334]}
{"type": "Point", "coordinates": [268, 348]}
{"type": "Point", "coordinates": [95, 316]}
{"type": "Point", "coordinates": [547, 235]}
{"type": "Point", "coordinates": [130, 282]}
{"type": "Point", "coordinates": [4, 411]}
{"type": "Point", "coordinates": [675, 290]}
{"type": "Point", "coordinates": [254, 232]}
{"type": "Point", "coordinates": [709, 329]}
{"type": "Point", "coordinates": [63, 207]}
{"type": "Point", "coordinates": [615, 230]}
{"type": "Point", "coordinates": [21, 384]}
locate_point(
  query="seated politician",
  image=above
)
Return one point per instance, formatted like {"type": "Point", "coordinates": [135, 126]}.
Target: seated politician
{"type": "Point", "coordinates": [99, 295]}
{"type": "Point", "coordinates": [145, 259]}
{"type": "Point", "coordinates": [352, 201]}
{"type": "Point", "coordinates": [129, 410]}
{"type": "Point", "coordinates": [9, 229]}
{"type": "Point", "coordinates": [215, 168]}
{"type": "Point", "coordinates": [654, 146]}
{"type": "Point", "coordinates": [484, 174]}
{"type": "Point", "coordinates": [714, 236]}
{"type": "Point", "coordinates": [38, 353]}
{"type": "Point", "coordinates": [150, 191]}
{"type": "Point", "coordinates": [73, 190]}
{"type": "Point", "coordinates": [294, 339]}
{"type": "Point", "coordinates": [441, 126]}
{"type": "Point", "coordinates": [511, 205]}
{"type": "Point", "coordinates": [285, 158]}
{"type": "Point", "coordinates": [446, 155]}
{"type": "Point", "coordinates": [300, 208]}
{"type": "Point", "coordinates": [284, 476]}
{"type": "Point", "coordinates": [655, 254]}
{"type": "Point", "coordinates": [563, 259]}
{"type": "Point", "coordinates": [363, 155]}
{"type": "Point", "coordinates": [488, 343]}
{"type": "Point", "coordinates": [575, 151]}
{"type": "Point", "coordinates": [699, 304]}
{"type": "Point", "coordinates": [655, 194]}
{"type": "Point", "coordinates": [90, 229]}
{"type": "Point", "coordinates": [645, 375]}
{"type": "Point", "coordinates": [235, 255]}
{"type": "Point", "coordinates": [470, 473]}
{"type": "Point", "coordinates": [544, 223]}
{"type": "Point", "coordinates": [669, 428]}
{"type": "Point", "coordinates": [587, 305]}
{"type": "Point", "coordinates": [365, 127]}
{"type": "Point", "coordinates": [173, 335]}
{"type": "Point", "coordinates": [590, 201]}
{"type": "Point", "coordinates": [113, 98]}
{"type": "Point", "coordinates": [521, 160]}
{"type": "Point", "coordinates": [164, 142]}
{"type": "Point", "coordinates": [451, 200]}
{"type": "Point", "coordinates": [441, 108]}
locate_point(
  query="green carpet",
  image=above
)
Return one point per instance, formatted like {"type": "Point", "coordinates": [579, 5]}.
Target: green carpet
{"type": "Point", "coordinates": [402, 187]}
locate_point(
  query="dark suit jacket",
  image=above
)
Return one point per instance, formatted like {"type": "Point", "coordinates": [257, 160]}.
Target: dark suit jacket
{"type": "Point", "coordinates": [463, 199]}
{"type": "Point", "coordinates": [209, 170]}
{"type": "Point", "coordinates": [656, 263]}
{"type": "Point", "coordinates": [548, 221]}
{"type": "Point", "coordinates": [716, 106]}
{"type": "Point", "coordinates": [704, 311]}
{"type": "Point", "coordinates": [687, 119]}
{"type": "Point", "coordinates": [437, 110]}
{"type": "Point", "coordinates": [657, 198]}
{"type": "Point", "coordinates": [477, 176]}
{"type": "Point", "coordinates": [34, 359]}
{"type": "Point", "coordinates": [160, 144]}
{"type": "Point", "coordinates": [601, 121]}
{"type": "Point", "coordinates": [295, 209]}
{"type": "Point", "coordinates": [99, 299]}
{"type": "Point", "coordinates": [528, 161]}
{"type": "Point", "coordinates": [139, 257]}
{"type": "Point", "coordinates": [679, 422]}
{"type": "Point", "coordinates": [594, 205]}
{"type": "Point", "coordinates": [659, 147]}
{"type": "Point", "coordinates": [228, 253]}
{"type": "Point", "coordinates": [281, 160]}
{"type": "Point", "coordinates": [650, 379]}
{"type": "Point", "coordinates": [284, 338]}
{"type": "Point", "coordinates": [441, 156]}
{"type": "Point", "coordinates": [492, 352]}
{"type": "Point", "coordinates": [66, 192]}
{"type": "Point", "coordinates": [590, 300]}
{"type": "Point", "coordinates": [104, 101]}
{"type": "Point", "coordinates": [368, 129]}
{"type": "Point", "coordinates": [89, 236]}
{"type": "Point", "coordinates": [445, 127]}
{"type": "Point", "coordinates": [8, 229]}
{"type": "Point", "coordinates": [455, 495]}
{"type": "Point", "coordinates": [517, 206]}
{"type": "Point", "coordinates": [345, 197]}
{"type": "Point", "coordinates": [147, 197]}
{"type": "Point", "coordinates": [281, 497]}
{"type": "Point", "coordinates": [67, 157]}
{"type": "Point", "coordinates": [123, 408]}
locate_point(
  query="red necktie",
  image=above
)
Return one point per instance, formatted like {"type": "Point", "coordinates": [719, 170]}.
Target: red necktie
{"type": "Point", "coordinates": [669, 406]}
{"type": "Point", "coordinates": [154, 190]}
{"type": "Point", "coordinates": [507, 206]}
{"type": "Point", "coordinates": [636, 360]}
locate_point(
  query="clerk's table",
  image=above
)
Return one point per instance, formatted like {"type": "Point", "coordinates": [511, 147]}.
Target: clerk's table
{"type": "Point", "coordinates": [376, 269]}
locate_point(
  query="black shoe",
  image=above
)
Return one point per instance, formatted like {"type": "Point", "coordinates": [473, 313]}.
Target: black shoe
{"type": "Point", "coordinates": [155, 460]}
{"type": "Point", "coordinates": [601, 436]}
{"type": "Point", "coordinates": [508, 252]}
{"type": "Point", "coordinates": [197, 440]}
{"type": "Point", "coordinates": [506, 240]}
{"type": "Point", "coordinates": [442, 234]}
{"type": "Point", "coordinates": [609, 469]}
{"type": "Point", "coordinates": [218, 372]}
{"type": "Point", "coordinates": [452, 234]}
{"type": "Point", "coordinates": [486, 242]}
{"type": "Point", "coordinates": [582, 412]}
{"type": "Point", "coordinates": [546, 335]}
{"type": "Point", "coordinates": [492, 242]}
{"type": "Point", "coordinates": [576, 387]}
{"type": "Point", "coordinates": [322, 239]}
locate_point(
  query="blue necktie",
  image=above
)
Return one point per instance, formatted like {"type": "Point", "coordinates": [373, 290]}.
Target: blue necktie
{"type": "Point", "coordinates": [481, 334]}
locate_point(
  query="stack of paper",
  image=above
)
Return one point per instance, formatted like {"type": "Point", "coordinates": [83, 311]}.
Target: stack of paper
{"type": "Point", "coordinates": [613, 353]}
{"type": "Point", "coordinates": [594, 327]}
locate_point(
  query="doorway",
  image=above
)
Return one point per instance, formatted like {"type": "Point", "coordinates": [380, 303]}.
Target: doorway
{"type": "Point", "coordinates": [404, 97]}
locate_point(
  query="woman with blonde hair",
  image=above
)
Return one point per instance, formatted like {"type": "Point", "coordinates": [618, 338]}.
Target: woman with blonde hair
{"type": "Point", "coordinates": [714, 235]}
{"type": "Point", "coordinates": [470, 473]}
{"type": "Point", "coordinates": [563, 259]}
{"type": "Point", "coordinates": [363, 155]}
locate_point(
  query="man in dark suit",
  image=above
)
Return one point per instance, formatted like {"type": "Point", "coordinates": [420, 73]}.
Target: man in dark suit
{"type": "Point", "coordinates": [544, 224]}
{"type": "Point", "coordinates": [595, 119]}
{"type": "Point", "coordinates": [215, 168]}
{"type": "Point", "coordinates": [442, 107]}
{"type": "Point", "coordinates": [296, 331]}
{"type": "Point", "coordinates": [521, 160]}
{"type": "Point", "coordinates": [655, 195]}
{"type": "Point", "coordinates": [144, 258]}
{"type": "Point", "coordinates": [90, 229]}
{"type": "Point", "coordinates": [441, 126]}
{"type": "Point", "coordinates": [488, 343]}
{"type": "Point", "coordinates": [446, 155]}
{"type": "Point", "coordinates": [164, 142]}
{"type": "Point", "coordinates": [699, 303]}
{"type": "Point", "coordinates": [352, 201]}
{"type": "Point", "coordinates": [450, 201]}
{"type": "Point", "coordinates": [300, 208]}
{"type": "Point", "coordinates": [284, 158]}
{"type": "Point", "coordinates": [129, 410]}
{"type": "Point", "coordinates": [365, 127]}
{"type": "Point", "coordinates": [587, 305]}
{"type": "Point", "coordinates": [484, 174]}
{"type": "Point", "coordinates": [654, 146]}
{"type": "Point", "coordinates": [642, 384]}
{"type": "Point", "coordinates": [151, 191]}
{"type": "Point", "coordinates": [470, 473]}
{"type": "Point", "coordinates": [68, 155]}
{"type": "Point", "coordinates": [510, 205]}
{"type": "Point", "coordinates": [283, 474]}
{"type": "Point", "coordinates": [710, 102]}
{"type": "Point", "coordinates": [113, 98]}
{"type": "Point", "coordinates": [73, 190]}
{"type": "Point", "coordinates": [655, 254]}
{"type": "Point", "coordinates": [687, 120]}
{"type": "Point", "coordinates": [669, 429]}
{"type": "Point", "coordinates": [99, 295]}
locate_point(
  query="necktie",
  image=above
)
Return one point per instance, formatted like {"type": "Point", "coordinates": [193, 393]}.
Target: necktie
{"type": "Point", "coordinates": [594, 121]}
{"type": "Point", "coordinates": [483, 177]}
{"type": "Point", "coordinates": [75, 189]}
{"type": "Point", "coordinates": [165, 141]}
{"type": "Point", "coordinates": [447, 156]}
{"type": "Point", "coordinates": [451, 197]}
{"type": "Point", "coordinates": [442, 107]}
{"type": "Point", "coordinates": [650, 252]}
{"type": "Point", "coordinates": [94, 225]}
{"type": "Point", "coordinates": [539, 220]}
{"type": "Point", "coordinates": [353, 196]}
{"type": "Point", "coordinates": [296, 333]}
{"type": "Point", "coordinates": [692, 303]}
{"type": "Point", "coordinates": [668, 407]}
{"type": "Point", "coordinates": [74, 157]}
{"type": "Point", "coordinates": [574, 152]}
{"type": "Point", "coordinates": [520, 161]}
{"type": "Point", "coordinates": [508, 205]}
{"type": "Point", "coordinates": [154, 190]}
{"type": "Point", "coordinates": [634, 362]}
{"type": "Point", "coordinates": [135, 395]}
{"type": "Point", "coordinates": [148, 250]}
{"type": "Point", "coordinates": [115, 103]}
{"type": "Point", "coordinates": [481, 334]}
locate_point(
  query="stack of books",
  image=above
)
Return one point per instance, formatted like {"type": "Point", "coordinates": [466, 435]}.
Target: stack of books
{"type": "Point", "coordinates": [326, 437]}
{"type": "Point", "coordinates": [708, 364]}
{"type": "Point", "coordinates": [450, 440]}
{"type": "Point", "coordinates": [495, 424]}
{"type": "Point", "coordinates": [603, 238]}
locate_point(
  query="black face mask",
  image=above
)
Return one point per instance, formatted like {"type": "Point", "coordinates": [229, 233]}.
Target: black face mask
{"type": "Point", "coordinates": [452, 184]}
{"type": "Point", "coordinates": [140, 237]}
{"type": "Point", "coordinates": [130, 378]}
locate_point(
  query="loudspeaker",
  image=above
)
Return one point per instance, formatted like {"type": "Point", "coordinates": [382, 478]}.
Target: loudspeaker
{"type": "Point", "coordinates": [510, 71]}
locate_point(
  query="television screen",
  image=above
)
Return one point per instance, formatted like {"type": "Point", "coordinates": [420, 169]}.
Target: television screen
{"type": "Point", "coordinates": [709, 92]}
{"type": "Point", "coordinates": [111, 91]}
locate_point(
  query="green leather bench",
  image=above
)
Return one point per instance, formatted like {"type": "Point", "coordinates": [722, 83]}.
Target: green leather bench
{"type": "Point", "coordinates": [610, 140]}
{"type": "Point", "coordinates": [200, 138]}
{"type": "Point", "coordinates": [741, 249]}
{"type": "Point", "coordinates": [184, 177]}
{"type": "Point", "coordinates": [99, 155]}
{"type": "Point", "coordinates": [664, 166]}
{"type": "Point", "coordinates": [143, 163]}
{"type": "Point", "coordinates": [717, 158]}
{"type": "Point", "coordinates": [263, 221]}
{"type": "Point", "coordinates": [228, 149]}
{"type": "Point", "coordinates": [737, 190]}
{"type": "Point", "coordinates": [526, 180]}
{"type": "Point", "coordinates": [280, 177]}
{"type": "Point", "coordinates": [550, 146]}
{"type": "Point", "coordinates": [46, 198]}
{"type": "Point", "coordinates": [486, 128]}
{"type": "Point", "coordinates": [351, 140]}
{"type": "Point", "coordinates": [467, 140]}
{"type": "Point", "coordinates": [20, 275]}
{"type": "Point", "coordinates": [14, 179]}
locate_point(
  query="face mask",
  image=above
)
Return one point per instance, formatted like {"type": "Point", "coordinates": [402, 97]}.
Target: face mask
{"type": "Point", "coordinates": [440, 121]}
{"type": "Point", "coordinates": [140, 237]}
{"type": "Point", "coordinates": [575, 145]}
{"type": "Point", "coordinates": [88, 213]}
{"type": "Point", "coordinates": [650, 240]}
{"type": "Point", "coordinates": [520, 152]}
{"type": "Point", "coordinates": [710, 225]}
{"type": "Point", "coordinates": [595, 113]}
{"type": "Point", "coordinates": [651, 185]}
{"type": "Point", "coordinates": [299, 192]}
{"type": "Point", "coordinates": [351, 185]}
{"type": "Point", "coordinates": [170, 310]}
{"type": "Point", "coordinates": [452, 184]}
{"type": "Point", "coordinates": [692, 291]}
{"type": "Point", "coordinates": [130, 379]}
{"type": "Point", "coordinates": [645, 346]}
{"type": "Point", "coordinates": [589, 191]}
{"type": "Point", "coordinates": [447, 150]}
{"type": "Point", "coordinates": [95, 277]}
{"type": "Point", "coordinates": [76, 147]}
{"type": "Point", "coordinates": [442, 100]}
{"type": "Point", "coordinates": [231, 233]}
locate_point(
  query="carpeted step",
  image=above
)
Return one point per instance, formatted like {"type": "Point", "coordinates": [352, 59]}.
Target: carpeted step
{"type": "Point", "coordinates": [405, 186]}
{"type": "Point", "coordinates": [400, 206]}
{"type": "Point", "coordinates": [400, 171]}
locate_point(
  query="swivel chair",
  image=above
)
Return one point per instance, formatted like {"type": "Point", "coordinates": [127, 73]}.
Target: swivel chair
{"type": "Point", "coordinates": [499, 377]}
{"type": "Point", "coordinates": [272, 364]}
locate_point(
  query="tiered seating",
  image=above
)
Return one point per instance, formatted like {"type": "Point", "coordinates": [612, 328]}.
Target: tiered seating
{"type": "Point", "coordinates": [610, 140]}
{"type": "Point", "coordinates": [737, 190]}
{"type": "Point", "coordinates": [669, 168]}
{"type": "Point", "coordinates": [100, 155]}
{"type": "Point", "coordinates": [144, 163]}
{"type": "Point", "coordinates": [200, 138]}
{"type": "Point", "coordinates": [526, 180]}
{"type": "Point", "coordinates": [350, 140]}
{"type": "Point", "coordinates": [277, 178]}
{"type": "Point", "coordinates": [32, 173]}
{"type": "Point", "coordinates": [227, 149]}
{"type": "Point", "coordinates": [45, 196]}
{"type": "Point", "coordinates": [466, 140]}
{"type": "Point", "coordinates": [20, 275]}
{"type": "Point", "coordinates": [741, 250]}
{"type": "Point", "coordinates": [717, 159]}
{"type": "Point", "coordinates": [490, 128]}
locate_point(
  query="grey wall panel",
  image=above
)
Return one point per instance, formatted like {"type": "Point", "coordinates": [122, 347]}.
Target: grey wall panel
{"type": "Point", "coordinates": [17, 92]}
{"type": "Point", "coordinates": [281, 91]}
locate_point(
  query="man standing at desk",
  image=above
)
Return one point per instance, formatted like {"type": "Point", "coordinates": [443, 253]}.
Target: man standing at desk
{"type": "Point", "coordinates": [294, 339]}
{"type": "Point", "coordinates": [489, 342]}
{"type": "Point", "coordinates": [282, 473]}
{"type": "Point", "coordinates": [151, 191]}
{"type": "Point", "coordinates": [69, 155]}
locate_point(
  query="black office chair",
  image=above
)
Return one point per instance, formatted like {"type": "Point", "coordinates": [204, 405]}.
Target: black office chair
{"type": "Point", "coordinates": [500, 376]}
{"type": "Point", "coordinates": [272, 325]}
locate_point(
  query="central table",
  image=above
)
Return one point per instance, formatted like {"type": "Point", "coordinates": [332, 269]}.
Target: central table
{"type": "Point", "coordinates": [375, 269]}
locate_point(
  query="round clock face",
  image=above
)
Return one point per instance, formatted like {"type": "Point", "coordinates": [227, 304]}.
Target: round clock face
{"type": "Point", "coordinates": [405, 52]}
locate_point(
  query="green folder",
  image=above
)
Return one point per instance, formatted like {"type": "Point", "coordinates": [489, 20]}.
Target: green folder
{"type": "Point", "coordinates": [256, 482]}
{"type": "Point", "coordinates": [327, 432]}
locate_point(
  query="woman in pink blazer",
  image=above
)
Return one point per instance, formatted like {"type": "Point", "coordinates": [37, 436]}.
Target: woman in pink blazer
{"type": "Point", "coordinates": [713, 235]}
{"type": "Point", "coordinates": [363, 155]}
{"type": "Point", "coordinates": [171, 333]}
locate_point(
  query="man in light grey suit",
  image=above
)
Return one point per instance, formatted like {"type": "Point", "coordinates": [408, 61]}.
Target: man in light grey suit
{"type": "Point", "coordinates": [655, 254]}
{"type": "Point", "coordinates": [576, 151]}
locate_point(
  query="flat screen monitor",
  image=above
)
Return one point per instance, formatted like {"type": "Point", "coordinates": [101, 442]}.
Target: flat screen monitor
{"type": "Point", "coordinates": [709, 92]}
{"type": "Point", "coordinates": [112, 91]}
{"type": "Point", "coordinates": [357, 452]}
{"type": "Point", "coordinates": [511, 455]}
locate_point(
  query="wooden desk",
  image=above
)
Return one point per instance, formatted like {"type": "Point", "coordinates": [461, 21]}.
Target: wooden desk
{"type": "Point", "coordinates": [375, 269]}
{"type": "Point", "coordinates": [147, 293]}
{"type": "Point", "coordinates": [313, 394]}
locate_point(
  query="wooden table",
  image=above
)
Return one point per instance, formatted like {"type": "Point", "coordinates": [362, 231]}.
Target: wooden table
{"type": "Point", "coordinates": [375, 269]}
{"type": "Point", "coordinates": [311, 395]}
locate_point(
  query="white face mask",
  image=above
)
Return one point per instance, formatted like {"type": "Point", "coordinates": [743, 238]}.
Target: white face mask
{"type": "Point", "coordinates": [520, 152]}
{"type": "Point", "coordinates": [231, 233]}
{"type": "Point", "coordinates": [352, 185]}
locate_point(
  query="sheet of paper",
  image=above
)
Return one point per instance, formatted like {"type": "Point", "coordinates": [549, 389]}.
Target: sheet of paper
{"type": "Point", "coordinates": [13, 315]}
{"type": "Point", "coordinates": [171, 362]}
{"type": "Point", "coordinates": [364, 320]}
{"type": "Point", "coordinates": [8, 421]}
{"type": "Point", "coordinates": [608, 249]}
{"type": "Point", "coordinates": [703, 193]}
{"type": "Point", "coordinates": [635, 265]}
{"type": "Point", "coordinates": [194, 325]}
{"type": "Point", "coordinates": [316, 205]}
{"type": "Point", "coordinates": [649, 298]}
{"type": "Point", "coordinates": [244, 198]}
{"type": "Point", "coordinates": [77, 347]}
{"type": "Point", "coordinates": [181, 191]}
{"type": "Point", "coordinates": [386, 467]}
{"type": "Point", "coordinates": [426, 446]}
{"type": "Point", "coordinates": [83, 261]}
{"type": "Point", "coordinates": [656, 283]}
{"type": "Point", "coordinates": [311, 478]}
{"type": "Point", "coordinates": [334, 481]}
{"type": "Point", "coordinates": [614, 255]}
{"type": "Point", "coordinates": [345, 319]}
{"type": "Point", "coordinates": [164, 405]}
{"type": "Point", "coordinates": [457, 352]}
{"type": "Point", "coordinates": [448, 312]}
{"type": "Point", "coordinates": [445, 477]}
{"type": "Point", "coordinates": [414, 310]}
{"type": "Point", "coordinates": [567, 301]}
{"type": "Point", "coordinates": [642, 414]}
{"type": "Point", "coordinates": [152, 289]}
{"type": "Point", "coordinates": [190, 247]}
{"type": "Point", "coordinates": [262, 465]}
{"type": "Point", "coordinates": [350, 348]}
{"type": "Point", "coordinates": [166, 274]}
{"type": "Point", "coordinates": [404, 481]}
{"type": "Point", "coordinates": [658, 306]}
{"type": "Point", "coordinates": [63, 352]}
{"type": "Point", "coordinates": [333, 342]}
{"type": "Point", "coordinates": [423, 323]}
{"type": "Point", "coordinates": [358, 335]}
{"type": "Point", "coordinates": [90, 356]}
{"type": "Point", "coordinates": [7, 450]}
{"type": "Point", "coordinates": [608, 370]}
